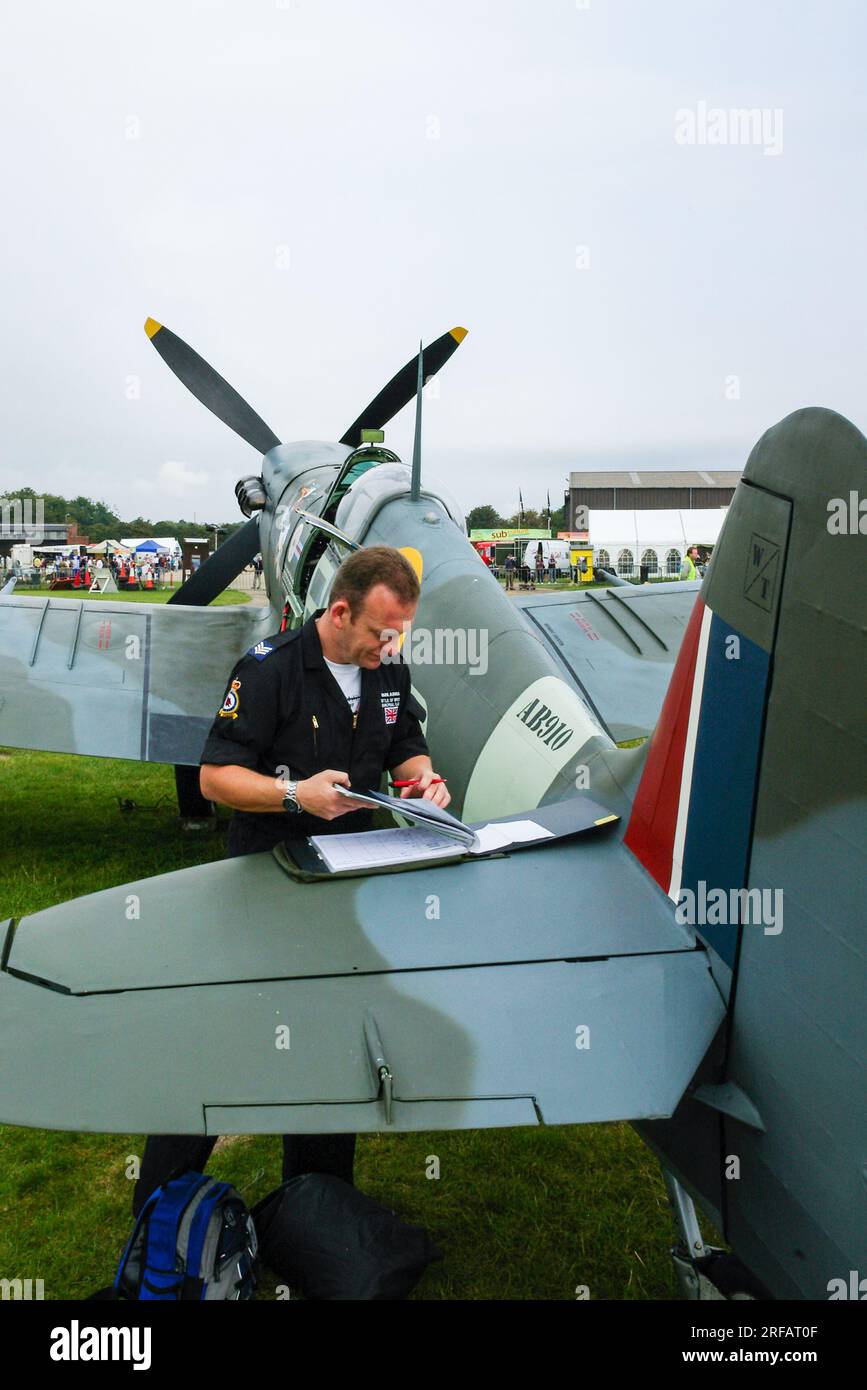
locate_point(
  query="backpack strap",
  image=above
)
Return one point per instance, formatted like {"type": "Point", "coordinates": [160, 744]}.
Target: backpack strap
{"type": "Point", "coordinates": [161, 1281]}
{"type": "Point", "coordinates": [140, 1219]}
{"type": "Point", "coordinates": [198, 1231]}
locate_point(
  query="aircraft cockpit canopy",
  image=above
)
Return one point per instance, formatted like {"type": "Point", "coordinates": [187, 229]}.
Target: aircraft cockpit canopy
{"type": "Point", "coordinates": [382, 483]}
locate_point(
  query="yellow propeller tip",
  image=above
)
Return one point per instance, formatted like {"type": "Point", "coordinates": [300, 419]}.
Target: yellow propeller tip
{"type": "Point", "coordinates": [152, 327]}
{"type": "Point", "coordinates": [458, 334]}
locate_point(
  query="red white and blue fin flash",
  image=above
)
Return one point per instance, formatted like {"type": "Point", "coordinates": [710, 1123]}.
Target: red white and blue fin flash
{"type": "Point", "coordinates": [693, 813]}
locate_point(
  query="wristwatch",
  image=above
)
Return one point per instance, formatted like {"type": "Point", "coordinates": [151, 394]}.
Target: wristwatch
{"type": "Point", "coordinates": [290, 798]}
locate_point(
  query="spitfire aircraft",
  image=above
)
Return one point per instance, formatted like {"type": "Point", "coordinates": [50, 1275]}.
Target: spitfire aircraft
{"type": "Point", "coordinates": [706, 981]}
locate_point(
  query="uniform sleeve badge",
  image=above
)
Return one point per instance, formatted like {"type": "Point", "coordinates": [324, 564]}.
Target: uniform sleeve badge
{"type": "Point", "coordinates": [229, 708]}
{"type": "Point", "coordinates": [390, 706]}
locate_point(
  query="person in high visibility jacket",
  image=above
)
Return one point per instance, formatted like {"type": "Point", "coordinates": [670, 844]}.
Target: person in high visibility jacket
{"type": "Point", "coordinates": [688, 569]}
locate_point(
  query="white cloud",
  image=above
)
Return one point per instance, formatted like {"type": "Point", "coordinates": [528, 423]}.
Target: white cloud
{"type": "Point", "coordinates": [176, 476]}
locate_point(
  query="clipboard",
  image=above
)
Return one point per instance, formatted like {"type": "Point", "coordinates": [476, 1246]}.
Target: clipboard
{"type": "Point", "coordinates": [564, 820]}
{"type": "Point", "coordinates": [302, 861]}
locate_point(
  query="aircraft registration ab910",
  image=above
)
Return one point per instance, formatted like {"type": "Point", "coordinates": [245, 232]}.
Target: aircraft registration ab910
{"type": "Point", "coordinates": [706, 981]}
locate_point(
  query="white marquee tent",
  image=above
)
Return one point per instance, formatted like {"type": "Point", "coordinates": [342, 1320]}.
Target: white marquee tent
{"type": "Point", "coordinates": [625, 540]}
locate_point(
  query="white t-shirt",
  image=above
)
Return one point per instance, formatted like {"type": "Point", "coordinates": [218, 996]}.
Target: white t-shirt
{"type": "Point", "coordinates": [348, 677]}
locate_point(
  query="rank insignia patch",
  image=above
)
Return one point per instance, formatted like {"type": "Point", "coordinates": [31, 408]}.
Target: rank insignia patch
{"type": "Point", "coordinates": [261, 650]}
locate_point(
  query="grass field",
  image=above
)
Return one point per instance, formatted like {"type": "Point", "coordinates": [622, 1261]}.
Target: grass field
{"type": "Point", "coordinates": [228, 596]}
{"type": "Point", "coordinates": [565, 585]}
{"type": "Point", "coordinates": [518, 1214]}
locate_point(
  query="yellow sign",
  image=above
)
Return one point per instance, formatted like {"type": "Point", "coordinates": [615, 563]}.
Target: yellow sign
{"type": "Point", "coordinates": [578, 554]}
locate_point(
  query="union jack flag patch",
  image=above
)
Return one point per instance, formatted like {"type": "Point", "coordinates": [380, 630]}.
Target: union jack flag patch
{"type": "Point", "coordinates": [390, 705]}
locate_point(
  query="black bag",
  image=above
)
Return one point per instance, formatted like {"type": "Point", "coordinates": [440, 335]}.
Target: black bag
{"type": "Point", "coordinates": [334, 1242]}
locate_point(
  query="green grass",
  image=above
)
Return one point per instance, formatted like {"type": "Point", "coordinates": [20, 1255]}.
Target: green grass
{"type": "Point", "coordinates": [228, 596]}
{"type": "Point", "coordinates": [566, 585]}
{"type": "Point", "coordinates": [518, 1214]}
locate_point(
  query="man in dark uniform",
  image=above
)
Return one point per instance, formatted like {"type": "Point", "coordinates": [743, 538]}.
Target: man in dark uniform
{"type": "Point", "coordinates": [330, 702]}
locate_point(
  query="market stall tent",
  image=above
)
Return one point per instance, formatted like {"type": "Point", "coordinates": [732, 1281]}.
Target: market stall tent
{"type": "Point", "coordinates": [625, 540]}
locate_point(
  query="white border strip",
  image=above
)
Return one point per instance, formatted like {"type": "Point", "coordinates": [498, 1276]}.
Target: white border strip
{"type": "Point", "coordinates": [689, 757]}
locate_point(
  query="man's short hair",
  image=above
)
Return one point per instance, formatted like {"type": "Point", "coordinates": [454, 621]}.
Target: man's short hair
{"type": "Point", "coordinates": [374, 564]}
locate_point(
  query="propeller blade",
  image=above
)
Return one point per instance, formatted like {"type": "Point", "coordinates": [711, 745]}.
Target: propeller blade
{"type": "Point", "coordinates": [218, 571]}
{"type": "Point", "coordinates": [210, 388]}
{"type": "Point", "coordinates": [402, 388]}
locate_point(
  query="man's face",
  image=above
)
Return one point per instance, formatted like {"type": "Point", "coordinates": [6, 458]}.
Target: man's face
{"type": "Point", "coordinates": [367, 635]}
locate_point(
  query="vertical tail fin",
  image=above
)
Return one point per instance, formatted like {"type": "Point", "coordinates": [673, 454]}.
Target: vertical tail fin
{"type": "Point", "coordinates": [769, 671]}
{"type": "Point", "coordinates": [754, 801]}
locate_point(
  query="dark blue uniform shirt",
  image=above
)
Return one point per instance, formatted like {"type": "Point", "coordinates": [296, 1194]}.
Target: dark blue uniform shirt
{"type": "Point", "coordinates": [283, 709]}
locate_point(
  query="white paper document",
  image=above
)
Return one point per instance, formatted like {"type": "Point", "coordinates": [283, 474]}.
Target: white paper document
{"type": "Point", "coordinates": [371, 849]}
{"type": "Point", "coordinates": [512, 832]}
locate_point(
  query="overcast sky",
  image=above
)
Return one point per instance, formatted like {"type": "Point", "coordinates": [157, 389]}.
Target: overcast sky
{"type": "Point", "coordinates": [301, 190]}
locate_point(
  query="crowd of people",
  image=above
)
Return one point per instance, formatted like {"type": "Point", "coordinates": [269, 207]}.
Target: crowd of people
{"type": "Point", "coordinates": [694, 565]}
{"type": "Point", "coordinates": [539, 572]}
{"type": "Point", "coordinates": [147, 570]}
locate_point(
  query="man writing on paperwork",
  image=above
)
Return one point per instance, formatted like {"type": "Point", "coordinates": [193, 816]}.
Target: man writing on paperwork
{"type": "Point", "coordinates": [322, 703]}
{"type": "Point", "coordinates": [304, 710]}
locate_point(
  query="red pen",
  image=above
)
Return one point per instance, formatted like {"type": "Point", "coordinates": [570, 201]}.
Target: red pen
{"type": "Point", "coordinates": [415, 781]}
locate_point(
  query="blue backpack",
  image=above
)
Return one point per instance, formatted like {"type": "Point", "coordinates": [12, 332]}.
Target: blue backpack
{"type": "Point", "coordinates": [194, 1239]}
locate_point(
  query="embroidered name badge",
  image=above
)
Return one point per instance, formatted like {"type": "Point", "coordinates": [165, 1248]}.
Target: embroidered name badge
{"type": "Point", "coordinates": [390, 705]}
{"type": "Point", "coordinates": [229, 708]}
{"type": "Point", "coordinates": [261, 650]}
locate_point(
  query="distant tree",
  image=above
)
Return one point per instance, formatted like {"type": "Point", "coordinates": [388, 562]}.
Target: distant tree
{"type": "Point", "coordinates": [484, 518]}
{"type": "Point", "coordinates": [194, 529]}
{"type": "Point", "coordinates": [95, 519]}
{"type": "Point", "coordinates": [533, 521]}
{"type": "Point", "coordinates": [56, 508]}
{"type": "Point", "coordinates": [90, 514]}
{"type": "Point", "coordinates": [100, 522]}
{"type": "Point", "coordinates": [33, 496]}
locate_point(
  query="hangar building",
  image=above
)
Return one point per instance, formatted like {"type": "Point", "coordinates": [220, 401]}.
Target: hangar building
{"type": "Point", "coordinates": [653, 490]}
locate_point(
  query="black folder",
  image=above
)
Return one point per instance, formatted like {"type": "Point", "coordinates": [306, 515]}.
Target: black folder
{"type": "Point", "coordinates": [564, 819]}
